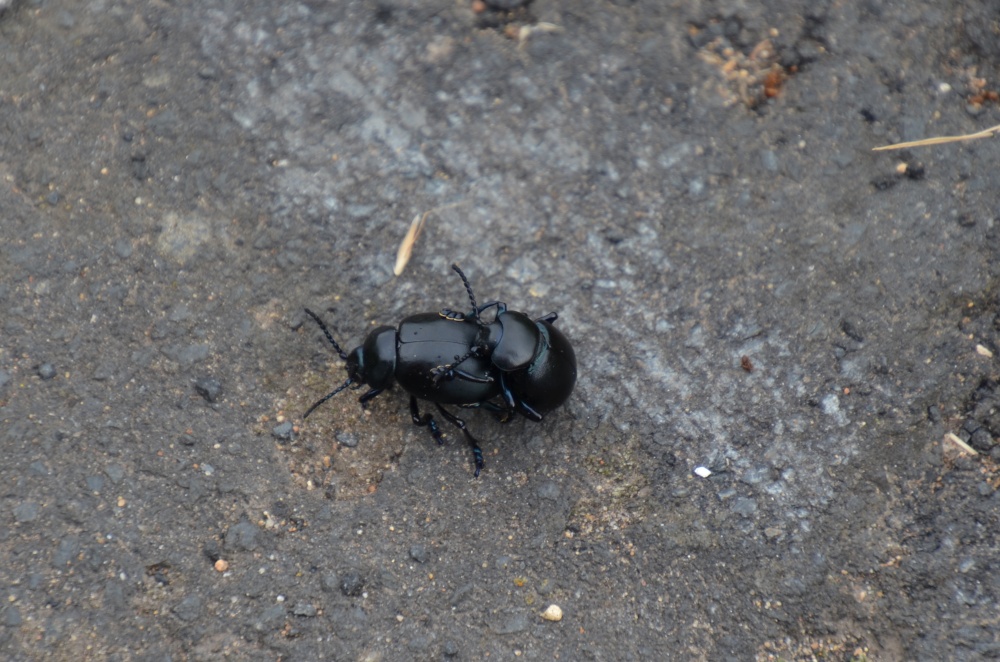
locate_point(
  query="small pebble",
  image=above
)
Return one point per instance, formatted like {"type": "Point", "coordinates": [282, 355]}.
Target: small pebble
{"type": "Point", "coordinates": [46, 371]}
{"type": "Point", "coordinates": [283, 431]}
{"type": "Point", "coordinates": [26, 512]}
{"type": "Point", "coordinates": [221, 565]}
{"type": "Point", "coordinates": [552, 613]}
{"type": "Point", "coordinates": [304, 609]}
{"type": "Point", "coordinates": [208, 388]}
{"type": "Point", "coordinates": [703, 472]}
{"type": "Point", "coordinates": [352, 584]}
{"type": "Point", "coordinates": [419, 553]}
{"type": "Point", "coordinates": [347, 439]}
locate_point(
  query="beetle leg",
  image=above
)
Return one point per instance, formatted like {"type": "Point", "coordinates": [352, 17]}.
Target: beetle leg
{"type": "Point", "coordinates": [449, 372]}
{"type": "Point", "coordinates": [508, 397]}
{"type": "Point", "coordinates": [550, 318]}
{"type": "Point", "coordinates": [502, 413]}
{"type": "Point", "coordinates": [469, 377]}
{"type": "Point", "coordinates": [477, 452]}
{"type": "Point", "coordinates": [528, 412]}
{"type": "Point", "coordinates": [425, 420]}
{"type": "Point", "coordinates": [513, 404]}
{"type": "Point", "coordinates": [366, 398]}
{"type": "Point", "coordinates": [443, 371]}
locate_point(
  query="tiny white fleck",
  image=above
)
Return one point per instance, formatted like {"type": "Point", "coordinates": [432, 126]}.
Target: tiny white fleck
{"type": "Point", "coordinates": [703, 472]}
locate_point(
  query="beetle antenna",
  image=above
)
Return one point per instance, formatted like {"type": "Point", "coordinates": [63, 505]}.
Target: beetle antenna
{"type": "Point", "coordinates": [327, 397]}
{"type": "Point", "coordinates": [329, 336]}
{"type": "Point", "coordinates": [468, 288]}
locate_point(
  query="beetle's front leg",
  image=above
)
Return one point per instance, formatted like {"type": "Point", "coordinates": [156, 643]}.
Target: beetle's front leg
{"type": "Point", "coordinates": [450, 372]}
{"type": "Point", "coordinates": [503, 414]}
{"type": "Point", "coordinates": [366, 398]}
{"type": "Point", "coordinates": [512, 404]}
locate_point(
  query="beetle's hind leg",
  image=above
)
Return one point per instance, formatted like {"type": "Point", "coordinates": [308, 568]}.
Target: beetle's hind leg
{"type": "Point", "coordinates": [477, 452]}
{"type": "Point", "coordinates": [425, 420]}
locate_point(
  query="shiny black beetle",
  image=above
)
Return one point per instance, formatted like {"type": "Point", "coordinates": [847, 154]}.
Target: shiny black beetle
{"type": "Point", "coordinates": [512, 364]}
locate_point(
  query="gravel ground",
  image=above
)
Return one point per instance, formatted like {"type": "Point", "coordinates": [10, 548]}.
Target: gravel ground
{"type": "Point", "coordinates": [749, 289]}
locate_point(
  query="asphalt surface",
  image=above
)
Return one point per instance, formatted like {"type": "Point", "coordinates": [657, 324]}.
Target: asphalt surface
{"type": "Point", "coordinates": [776, 329]}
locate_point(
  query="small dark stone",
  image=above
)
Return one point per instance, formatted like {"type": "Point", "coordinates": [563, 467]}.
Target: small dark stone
{"type": "Point", "coordinates": [419, 553]}
{"type": "Point", "coordinates": [241, 537]}
{"type": "Point", "coordinates": [115, 472]}
{"type": "Point", "coordinates": [4, 378]}
{"type": "Point", "coordinates": [304, 609]}
{"type": "Point", "coordinates": [745, 506]}
{"type": "Point", "coordinates": [329, 581]}
{"type": "Point", "coordinates": [95, 483]}
{"type": "Point", "coordinates": [12, 618]}
{"type": "Point", "coordinates": [208, 388]}
{"type": "Point", "coordinates": [352, 584]}
{"type": "Point", "coordinates": [140, 169]}
{"type": "Point", "coordinates": [26, 512]}
{"type": "Point", "coordinates": [934, 414]}
{"type": "Point", "coordinates": [270, 618]}
{"type": "Point", "coordinates": [212, 550]}
{"type": "Point", "coordinates": [549, 490]}
{"type": "Point", "coordinates": [283, 431]}
{"type": "Point", "coordinates": [188, 355]}
{"type": "Point", "coordinates": [46, 371]}
{"type": "Point", "coordinates": [884, 182]}
{"type": "Point", "coordinates": [981, 440]}
{"type": "Point", "coordinates": [347, 439]}
{"type": "Point", "coordinates": [123, 248]}
{"type": "Point", "coordinates": [188, 609]}
{"type": "Point", "coordinates": [68, 548]}
{"type": "Point", "coordinates": [510, 623]}
{"type": "Point", "coordinates": [450, 648]}
{"type": "Point", "coordinates": [851, 330]}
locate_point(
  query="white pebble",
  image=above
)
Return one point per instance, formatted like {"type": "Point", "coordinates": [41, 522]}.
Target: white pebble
{"type": "Point", "coordinates": [552, 613]}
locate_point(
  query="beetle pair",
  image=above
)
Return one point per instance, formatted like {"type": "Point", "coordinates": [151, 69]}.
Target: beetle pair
{"type": "Point", "coordinates": [511, 364]}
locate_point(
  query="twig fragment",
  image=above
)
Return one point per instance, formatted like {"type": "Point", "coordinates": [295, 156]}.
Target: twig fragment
{"type": "Point", "coordinates": [941, 140]}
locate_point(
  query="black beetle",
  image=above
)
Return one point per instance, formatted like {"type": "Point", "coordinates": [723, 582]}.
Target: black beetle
{"type": "Point", "coordinates": [512, 364]}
